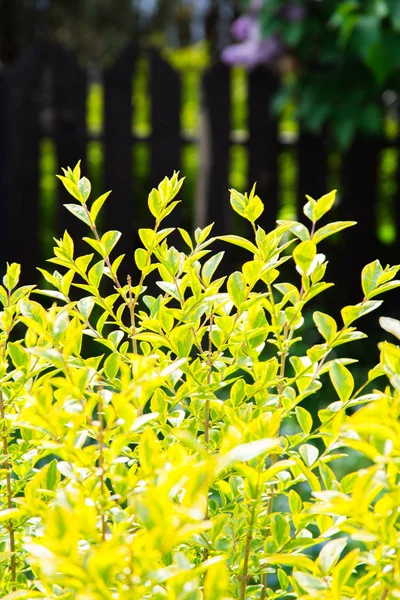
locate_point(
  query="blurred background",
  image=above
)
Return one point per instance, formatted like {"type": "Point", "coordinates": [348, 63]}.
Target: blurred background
{"type": "Point", "coordinates": [300, 96]}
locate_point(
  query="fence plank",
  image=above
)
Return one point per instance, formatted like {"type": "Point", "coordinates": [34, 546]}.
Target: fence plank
{"type": "Point", "coordinates": [3, 164]}
{"type": "Point", "coordinates": [165, 91]}
{"type": "Point", "coordinates": [212, 194]}
{"type": "Point", "coordinates": [21, 220]}
{"type": "Point", "coordinates": [312, 165]}
{"type": "Point", "coordinates": [120, 209]}
{"type": "Point", "coordinates": [69, 90]}
{"type": "Point", "coordinates": [359, 184]}
{"type": "Point", "coordinates": [263, 142]}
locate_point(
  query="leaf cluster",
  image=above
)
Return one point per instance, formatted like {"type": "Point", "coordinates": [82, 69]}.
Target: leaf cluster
{"type": "Point", "coordinates": [180, 460]}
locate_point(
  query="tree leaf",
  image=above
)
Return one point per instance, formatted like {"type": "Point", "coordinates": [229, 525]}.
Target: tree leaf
{"type": "Point", "coordinates": [304, 419]}
{"type": "Point", "coordinates": [304, 254]}
{"type": "Point", "coordinates": [249, 451]}
{"type": "Point", "coordinates": [331, 229]}
{"type": "Point", "coordinates": [96, 206]}
{"type": "Point", "coordinates": [210, 267]}
{"type": "Point", "coordinates": [236, 287]}
{"type": "Point", "coordinates": [351, 313]}
{"type": "Point", "coordinates": [330, 554]}
{"type": "Point", "coordinates": [342, 381]}
{"type": "Point", "coordinates": [11, 277]}
{"type": "Point", "coordinates": [326, 325]}
{"type": "Point", "coordinates": [390, 325]}
{"type": "Point", "coordinates": [369, 277]}
{"type": "Point", "coordinates": [79, 212]}
{"type": "Point", "coordinates": [84, 188]}
{"type": "Point", "coordinates": [323, 205]}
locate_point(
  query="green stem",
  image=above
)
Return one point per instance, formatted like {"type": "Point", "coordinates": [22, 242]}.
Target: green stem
{"type": "Point", "coordinates": [11, 532]}
{"type": "Point", "coordinates": [249, 537]}
{"type": "Point", "coordinates": [100, 441]}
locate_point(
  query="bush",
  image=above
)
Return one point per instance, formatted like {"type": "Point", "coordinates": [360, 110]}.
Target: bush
{"type": "Point", "coordinates": [179, 461]}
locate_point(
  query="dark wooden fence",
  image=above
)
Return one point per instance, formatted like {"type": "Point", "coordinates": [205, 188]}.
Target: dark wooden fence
{"type": "Point", "coordinates": [44, 95]}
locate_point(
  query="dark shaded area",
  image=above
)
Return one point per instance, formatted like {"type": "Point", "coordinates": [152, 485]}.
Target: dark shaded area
{"type": "Point", "coordinates": [43, 94]}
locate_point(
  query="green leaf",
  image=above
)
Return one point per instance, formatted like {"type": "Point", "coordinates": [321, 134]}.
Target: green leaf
{"type": "Point", "coordinates": [141, 257]}
{"type": "Point", "coordinates": [309, 454]}
{"type": "Point", "coordinates": [52, 476]}
{"type": "Point", "coordinates": [3, 296]}
{"type": "Point", "coordinates": [330, 554]}
{"type": "Point", "coordinates": [19, 355]}
{"type": "Point", "coordinates": [249, 451]}
{"type": "Point", "coordinates": [304, 419]}
{"type": "Point", "coordinates": [289, 560]}
{"type": "Point", "coordinates": [252, 271]}
{"type": "Point", "coordinates": [385, 288]}
{"type": "Point", "coordinates": [369, 277]}
{"type": "Point", "coordinates": [295, 503]}
{"type": "Point", "coordinates": [96, 206]}
{"type": "Point", "coordinates": [298, 229]}
{"type": "Point", "coordinates": [85, 306]}
{"type": "Point", "coordinates": [148, 238]}
{"type": "Point", "coordinates": [390, 325]}
{"type": "Point", "coordinates": [309, 583]}
{"type": "Point", "coordinates": [11, 277]}
{"type": "Point", "coordinates": [79, 212]}
{"type": "Point", "coordinates": [236, 287]}
{"type": "Point", "coordinates": [331, 229]}
{"type": "Point", "coordinates": [239, 241]}
{"type": "Point", "coordinates": [95, 244]}
{"type": "Point", "coordinates": [10, 513]}
{"type": "Point", "coordinates": [170, 288]}
{"type": "Point", "coordinates": [238, 202]}
{"type": "Point", "coordinates": [95, 274]}
{"type": "Point", "coordinates": [60, 324]}
{"type": "Point", "coordinates": [280, 530]}
{"type": "Point", "coordinates": [210, 267]}
{"type": "Point", "coordinates": [254, 206]}
{"type": "Point", "coordinates": [84, 188]}
{"type": "Point", "coordinates": [71, 187]}
{"type": "Point", "coordinates": [323, 205]}
{"type": "Point", "coordinates": [326, 325]}
{"type": "Point", "coordinates": [342, 572]}
{"type": "Point", "coordinates": [303, 255]}
{"type": "Point", "coordinates": [342, 381]}
{"type": "Point", "coordinates": [309, 208]}
{"type": "Point", "coordinates": [109, 240]}
{"type": "Point", "coordinates": [155, 203]}
{"type": "Point", "coordinates": [76, 174]}
{"type": "Point", "coordinates": [186, 237]}
{"type": "Point", "coordinates": [351, 313]}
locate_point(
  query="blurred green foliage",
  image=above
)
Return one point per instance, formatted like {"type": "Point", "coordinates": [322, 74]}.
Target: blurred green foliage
{"type": "Point", "coordinates": [342, 55]}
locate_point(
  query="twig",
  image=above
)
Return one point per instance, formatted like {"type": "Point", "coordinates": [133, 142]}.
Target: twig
{"type": "Point", "coordinates": [100, 441]}
{"type": "Point", "coordinates": [11, 533]}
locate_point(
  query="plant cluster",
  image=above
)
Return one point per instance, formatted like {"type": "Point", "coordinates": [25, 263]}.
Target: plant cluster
{"type": "Point", "coordinates": [178, 459]}
{"type": "Point", "coordinates": [340, 56]}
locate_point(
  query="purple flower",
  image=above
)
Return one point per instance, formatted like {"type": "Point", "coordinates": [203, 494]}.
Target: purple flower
{"type": "Point", "coordinates": [242, 28]}
{"type": "Point", "coordinates": [294, 12]}
{"type": "Point", "coordinates": [253, 52]}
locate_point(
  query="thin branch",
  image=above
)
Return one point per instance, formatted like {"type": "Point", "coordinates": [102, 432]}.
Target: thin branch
{"type": "Point", "coordinates": [132, 314]}
{"type": "Point", "coordinates": [249, 537]}
{"type": "Point", "coordinates": [11, 533]}
{"type": "Point", "coordinates": [100, 441]}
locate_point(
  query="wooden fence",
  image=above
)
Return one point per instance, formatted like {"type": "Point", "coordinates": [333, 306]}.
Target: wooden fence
{"type": "Point", "coordinates": [44, 95]}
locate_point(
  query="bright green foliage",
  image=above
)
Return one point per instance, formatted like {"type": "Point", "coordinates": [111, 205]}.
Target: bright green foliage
{"type": "Point", "coordinates": [169, 463]}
